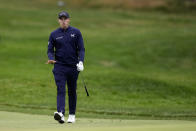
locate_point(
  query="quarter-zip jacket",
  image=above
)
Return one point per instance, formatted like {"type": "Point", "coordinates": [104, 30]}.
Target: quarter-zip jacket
{"type": "Point", "coordinates": [66, 46]}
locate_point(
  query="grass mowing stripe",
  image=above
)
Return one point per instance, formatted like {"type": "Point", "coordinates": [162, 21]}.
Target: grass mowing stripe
{"type": "Point", "coordinates": [168, 116]}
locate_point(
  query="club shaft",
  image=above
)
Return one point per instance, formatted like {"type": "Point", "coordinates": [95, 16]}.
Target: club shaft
{"type": "Point", "coordinates": [84, 85]}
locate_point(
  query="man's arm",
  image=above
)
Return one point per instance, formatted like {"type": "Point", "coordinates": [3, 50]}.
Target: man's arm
{"type": "Point", "coordinates": [81, 52]}
{"type": "Point", "coordinates": [50, 51]}
{"type": "Point", "coordinates": [81, 49]}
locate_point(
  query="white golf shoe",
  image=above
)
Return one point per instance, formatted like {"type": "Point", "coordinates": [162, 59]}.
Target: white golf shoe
{"type": "Point", "coordinates": [71, 119]}
{"type": "Point", "coordinates": [59, 117]}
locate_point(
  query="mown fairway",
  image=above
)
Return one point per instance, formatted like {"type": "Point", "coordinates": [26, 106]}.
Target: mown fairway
{"type": "Point", "coordinates": [138, 64]}
{"type": "Point", "coordinates": [24, 122]}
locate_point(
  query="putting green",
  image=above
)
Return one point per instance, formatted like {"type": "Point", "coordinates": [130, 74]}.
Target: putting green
{"type": "Point", "coordinates": [10, 121]}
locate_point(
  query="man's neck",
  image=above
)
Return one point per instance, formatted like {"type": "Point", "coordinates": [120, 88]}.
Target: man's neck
{"type": "Point", "coordinates": [65, 27]}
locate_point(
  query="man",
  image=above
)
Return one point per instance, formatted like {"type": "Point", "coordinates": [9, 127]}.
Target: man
{"type": "Point", "coordinates": [66, 52]}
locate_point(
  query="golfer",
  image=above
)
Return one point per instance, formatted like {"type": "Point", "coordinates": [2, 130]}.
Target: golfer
{"type": "Point", "coordinates": [66, 52]}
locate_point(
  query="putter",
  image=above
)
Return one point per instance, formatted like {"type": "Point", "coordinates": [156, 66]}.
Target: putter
{"type": "Point", "coordinates": [84, 85]}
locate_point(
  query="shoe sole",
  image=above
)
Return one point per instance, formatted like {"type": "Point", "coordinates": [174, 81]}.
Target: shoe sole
{"type": "Point", "coordinates": [61, 122]}
{"type": "Point", "coordinates": [57, 117]}
{"type": "Point", "coordinates": [70, 122]}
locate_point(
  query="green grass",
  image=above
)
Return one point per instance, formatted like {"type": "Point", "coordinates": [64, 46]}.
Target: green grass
{"type": "Point", "coordinates": [137, 64]}
{"type": "Point", "coordinates": [24, 122]}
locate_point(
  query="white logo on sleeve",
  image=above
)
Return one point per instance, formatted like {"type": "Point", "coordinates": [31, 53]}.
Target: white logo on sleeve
{"type": "Point", "coordinates": [72, 35]}
{"type": "Point", "coordinates": [48, 42]}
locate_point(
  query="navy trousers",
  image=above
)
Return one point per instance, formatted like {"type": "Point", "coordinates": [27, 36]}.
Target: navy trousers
{"type": "Point", "coordinates": [66, 75]}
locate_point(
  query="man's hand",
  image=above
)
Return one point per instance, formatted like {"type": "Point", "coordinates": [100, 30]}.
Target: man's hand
{"type": "Point", "coordinates": [50, 62]}
{"type": "Point", "coordinates": [80, 66]}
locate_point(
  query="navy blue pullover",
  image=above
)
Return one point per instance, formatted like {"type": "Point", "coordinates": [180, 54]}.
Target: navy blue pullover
{"type": "Point", "coordinates": [66, 47]}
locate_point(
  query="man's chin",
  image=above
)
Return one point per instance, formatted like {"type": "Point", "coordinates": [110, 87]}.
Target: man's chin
{"type": "Point", "coordinates": [64, 27]}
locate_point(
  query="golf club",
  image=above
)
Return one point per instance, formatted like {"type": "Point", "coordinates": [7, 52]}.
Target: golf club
{"type": "Point", "coordinates": [84, 85]}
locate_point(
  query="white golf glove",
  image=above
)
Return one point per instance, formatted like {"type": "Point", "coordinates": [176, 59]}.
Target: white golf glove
{"type": "Point", "coordinates": [80, 66]}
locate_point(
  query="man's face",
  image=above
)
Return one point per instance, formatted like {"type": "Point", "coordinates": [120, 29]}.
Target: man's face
{"type": "Point", "coordinates": [64, 22]}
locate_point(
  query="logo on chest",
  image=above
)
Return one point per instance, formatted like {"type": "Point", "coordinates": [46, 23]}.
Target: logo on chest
{"type": "Point", "coordinates": [72, 35]}
{"type": "Point", "coordinates": [59, 37]}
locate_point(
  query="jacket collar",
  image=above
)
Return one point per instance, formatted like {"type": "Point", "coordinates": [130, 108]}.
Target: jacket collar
{"type": "Point", "coordinates": [65, 30]}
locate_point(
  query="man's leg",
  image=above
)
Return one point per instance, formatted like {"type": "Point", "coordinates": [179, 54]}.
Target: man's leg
{"type": "Point", "coordinates": [72, 85]}
{"type": "Point", "coordinates": [60, 80]}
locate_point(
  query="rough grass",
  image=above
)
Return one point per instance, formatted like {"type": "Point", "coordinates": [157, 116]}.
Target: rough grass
{"type": "Point", "coordinates": [137, 63]}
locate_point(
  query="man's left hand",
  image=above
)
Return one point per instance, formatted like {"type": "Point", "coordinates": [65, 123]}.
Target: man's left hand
{"type": "Point", "coordinates": [80, 66]}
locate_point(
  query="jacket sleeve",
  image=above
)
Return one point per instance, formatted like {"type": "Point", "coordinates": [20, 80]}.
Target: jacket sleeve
{"type": "Point", "coordinates": [50, 51]}
{"type": "Point", "coordinates": [81, 49]}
